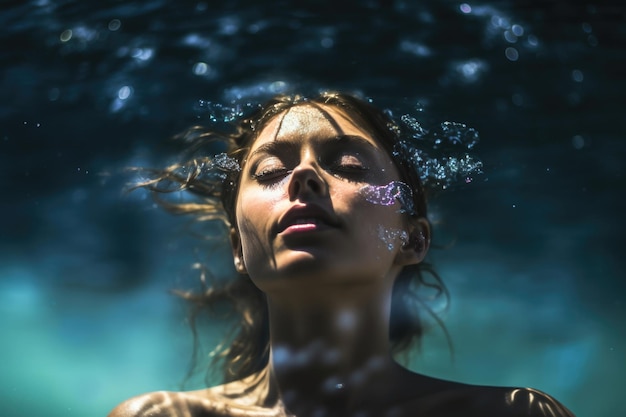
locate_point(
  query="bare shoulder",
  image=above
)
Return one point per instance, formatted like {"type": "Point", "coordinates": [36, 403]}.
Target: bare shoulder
{"type": "Point", "coordinates": [534, 403]}
{"type": "Point", "coordinates": [229, 400]}
{"type": "Point", "coordinates": [170, 404]}
{"type": "Point", "coordinates": [452, 399]}
{"type": "Point", "coordinates": [470, 400]}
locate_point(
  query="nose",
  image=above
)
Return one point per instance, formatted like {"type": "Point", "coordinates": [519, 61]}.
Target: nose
{"type": "Point", "coordinates": [306, 181]}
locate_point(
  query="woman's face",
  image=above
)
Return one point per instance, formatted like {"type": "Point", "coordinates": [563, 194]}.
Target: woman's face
{"type": "Point", "coordinates": [302, 212]}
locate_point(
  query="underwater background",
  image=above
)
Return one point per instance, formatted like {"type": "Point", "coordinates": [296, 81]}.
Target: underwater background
{"type": "Point", "coordinates": [88, 88]}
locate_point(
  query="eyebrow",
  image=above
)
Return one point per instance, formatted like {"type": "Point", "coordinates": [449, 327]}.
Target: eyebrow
{"type": "Point", "coordinates": [282, 145]}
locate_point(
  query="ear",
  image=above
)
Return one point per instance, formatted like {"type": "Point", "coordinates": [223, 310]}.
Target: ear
{"type": "Point", "coordinates": [414, 251]}
{"type": "Point", "coordinates": [235, 245]}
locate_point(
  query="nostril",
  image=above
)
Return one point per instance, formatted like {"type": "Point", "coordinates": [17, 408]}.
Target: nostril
{"type": "Point", "coordinates": [314, 185]}
{"type": "Point", "coordinates": [306, 180]}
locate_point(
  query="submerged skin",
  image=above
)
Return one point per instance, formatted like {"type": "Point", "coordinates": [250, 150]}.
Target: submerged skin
{"type": "Point", "coordinates": [326, 258]}
{"type": "Point", "coordinates": [447, 399]}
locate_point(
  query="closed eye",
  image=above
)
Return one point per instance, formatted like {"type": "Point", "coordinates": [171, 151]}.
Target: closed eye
{"type": "Point", "coordinates": [269, 169]}
{"type": "Point", "coordinates": [269, 174]}
{"type": "Point", "coordinates": [348, 164]}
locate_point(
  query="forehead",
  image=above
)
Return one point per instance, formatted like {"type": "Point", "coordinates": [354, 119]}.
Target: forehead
{"type": "Point", "coordinates": [311, 121]}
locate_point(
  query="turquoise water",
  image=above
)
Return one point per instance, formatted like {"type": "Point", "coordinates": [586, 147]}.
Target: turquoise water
{"type": "Point", "coordinates": [535, 273]}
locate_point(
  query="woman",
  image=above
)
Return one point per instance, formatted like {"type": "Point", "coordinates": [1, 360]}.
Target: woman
{"type": "Point", "coordinates": [327, 220]}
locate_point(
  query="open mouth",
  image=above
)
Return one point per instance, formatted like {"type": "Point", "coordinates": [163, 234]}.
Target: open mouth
{"type": "Point", "coordinates": [306, 219]}
{"type": "Point", "coordinates": [306, 225]}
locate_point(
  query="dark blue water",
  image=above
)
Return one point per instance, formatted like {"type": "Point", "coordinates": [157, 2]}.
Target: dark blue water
{"type": "Point", "coordinates": [89, 88]}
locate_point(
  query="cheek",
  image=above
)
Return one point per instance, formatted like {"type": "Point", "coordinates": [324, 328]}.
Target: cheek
{"type": "Point", "coordinates": [254, 210]}
{"type": "Point", "coordinates": [384, 225]}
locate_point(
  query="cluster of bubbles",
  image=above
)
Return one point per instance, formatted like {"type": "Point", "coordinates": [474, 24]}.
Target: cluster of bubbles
{"type": "Point", "coordinates": [390, 236]}
{"type": "Point", "coordinates": [389, 194]}
{"type": "Point", "coordinates": [223, 113]}
{"type": "Point", "coordinates": [440, 155]}
{"type": "Point", "coordinates": [210, 170]}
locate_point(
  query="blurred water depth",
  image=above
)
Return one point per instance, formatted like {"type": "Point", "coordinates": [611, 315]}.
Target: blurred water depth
{"type": "Point", "coordinates": [88, 88]}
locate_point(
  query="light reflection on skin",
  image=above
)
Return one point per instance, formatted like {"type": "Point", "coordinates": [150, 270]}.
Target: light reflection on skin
{"type": "Point", "coordinates": [317, 231]}
{"type": "Point", "coordinates": [389, 194]}
{"type": "Point", "coordinates": [391, 236]}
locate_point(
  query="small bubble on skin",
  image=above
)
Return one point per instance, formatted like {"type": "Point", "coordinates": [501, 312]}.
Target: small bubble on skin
{"type": "Point", "coordinates": [389, 194]}
{"type": "Point", "coordinates": [390, 237]}
{"type": "Point", "coordinates": [465, 8]}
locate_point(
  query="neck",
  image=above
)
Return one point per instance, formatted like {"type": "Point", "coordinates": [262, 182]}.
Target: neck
{"type": "Point", "coordinates": [330, 347]}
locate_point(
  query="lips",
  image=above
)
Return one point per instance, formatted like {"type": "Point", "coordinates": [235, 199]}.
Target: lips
{"type": "Point", "coordinates": [306, 218]}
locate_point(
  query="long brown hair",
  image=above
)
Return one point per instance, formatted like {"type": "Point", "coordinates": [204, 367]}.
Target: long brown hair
{"type": "Point", "coordinates": [246, 350]}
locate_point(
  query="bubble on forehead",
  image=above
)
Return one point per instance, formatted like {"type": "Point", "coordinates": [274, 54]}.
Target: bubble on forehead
{"type": "Point", "coordinates": [389, 194]}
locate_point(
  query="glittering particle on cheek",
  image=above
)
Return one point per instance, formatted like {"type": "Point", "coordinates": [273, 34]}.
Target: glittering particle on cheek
{"type": "Point", "coordinates": [390, 237]}
{"type": "Point", "coordinates": [389, 194]}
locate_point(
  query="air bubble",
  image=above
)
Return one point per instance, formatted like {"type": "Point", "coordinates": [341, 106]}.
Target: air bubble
{"type": "Point", "coordinates": [124, 92]}
{"type": "Point", "coordinates": [114, 25]}
{"type": "Point", "coordinates": [449, 162]}
{"type": "Point", "coordinates": [392, 236]}
{"type": "Point", "coordinates": [210, 170]}
{"type": "Point", "coordinates": [517, 30]}
{"type": "Point", "coordinates": [223, 113]}
{"type": "Point", "coordinates": [226, 163]}
{"type": "Point", "coordinates": [511, 54]}
{"type": "Point", "coordinates": [415, 127]}
{"type": "Point", "coordinates": [66, 35]}
{"type": "Point", "coordinates": [389, 194]}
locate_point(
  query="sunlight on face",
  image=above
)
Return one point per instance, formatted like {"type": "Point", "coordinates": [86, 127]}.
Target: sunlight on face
{"type": "Point", "coordinates": [301, 210]}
